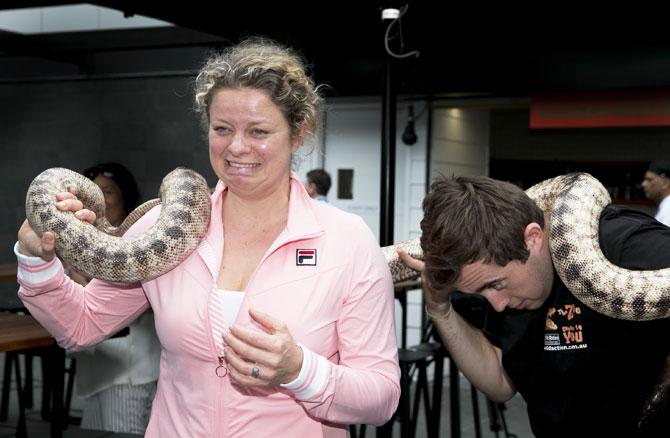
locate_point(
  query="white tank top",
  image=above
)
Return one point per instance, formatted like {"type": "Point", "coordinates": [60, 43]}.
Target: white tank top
{"type": "Point", "coordinates": [231, 301]}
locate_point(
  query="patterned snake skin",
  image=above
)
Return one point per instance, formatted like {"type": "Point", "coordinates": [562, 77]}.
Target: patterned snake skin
{"type": "Point", "coordinates": [575, 202]}
{"type": "Point", "coordinates": [97, 251]}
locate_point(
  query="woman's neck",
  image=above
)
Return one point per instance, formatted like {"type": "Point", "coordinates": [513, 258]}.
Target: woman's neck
{"type": "Point", "coordinates": [268, 210]}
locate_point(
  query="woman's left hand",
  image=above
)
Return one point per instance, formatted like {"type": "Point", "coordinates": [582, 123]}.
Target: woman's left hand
{"type": "Point", "coordinates": [262, 359]}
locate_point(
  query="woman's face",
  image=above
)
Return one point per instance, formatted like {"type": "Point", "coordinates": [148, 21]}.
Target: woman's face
{"type": "Point", "coordinates": [250, 142]}
{"type": "Point", "coordinates": [114, 211]}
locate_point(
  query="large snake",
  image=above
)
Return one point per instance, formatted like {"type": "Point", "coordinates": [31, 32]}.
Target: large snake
{"type": "Point", "coordinates": [97, 250]}
{"type": "Point", "coordinates": [574, 203]}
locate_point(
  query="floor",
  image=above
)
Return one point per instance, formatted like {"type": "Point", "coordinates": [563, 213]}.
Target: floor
{"type": "Point", "coordinates": [514, 415]}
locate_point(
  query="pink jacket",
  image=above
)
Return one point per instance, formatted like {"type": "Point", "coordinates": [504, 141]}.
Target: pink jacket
{"type": "Point", "coordinates": [337, 305]}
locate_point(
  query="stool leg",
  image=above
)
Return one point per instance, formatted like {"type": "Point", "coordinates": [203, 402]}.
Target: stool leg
{"type": "Point", "coordinates": [46, 390]}
{"type": "Point", "coordinates": [436, 405]}
{"type": "Point", "coordinates": [28, 386]}
{"type": "Point", "coordinates": [429, 411]}
{"type": "Point", "coordinates": [6, 384]}
{"type": "Point", "coordinates": [417, 400]}
{"type": "Point", "coordinates": [404, 401]}
{"type": "Point", "coordinates": [475, 411]}
{"type": "Point", "coordinates": [71, 371]}
{"type": "Point", "coordinates": [493, 417]}
{"type": "Point", "coordinates": [454, 388]}
{"type": "Point", "coordinates": [386, 430]}
{"type": "Point", "coordinates": [56, 363]}
{"type": "Point", "coordinates": [21, 430]}
{"type": "Point", "coordinates": [501, 410]}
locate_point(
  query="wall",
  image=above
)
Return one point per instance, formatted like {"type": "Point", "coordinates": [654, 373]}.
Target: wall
{"type": "Point", "coordinates": [460, 142]}
{"type": "Point", "coordinates": [512, 139]}
{"type": "Point", "coordinates": [147, 124]}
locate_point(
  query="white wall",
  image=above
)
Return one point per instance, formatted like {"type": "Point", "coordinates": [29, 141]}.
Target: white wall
{"type": "Point", "coordinates": [350, 138]}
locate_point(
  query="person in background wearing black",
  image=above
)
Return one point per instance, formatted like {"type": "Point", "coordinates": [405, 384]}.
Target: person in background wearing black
{"type": "Point", "coordinates": [656, 186]}
{"type": "Point", "coordinates": [117, 378]}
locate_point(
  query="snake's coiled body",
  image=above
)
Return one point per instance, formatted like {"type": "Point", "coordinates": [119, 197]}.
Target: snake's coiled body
{"type": "Point", "coordinates": [98, 251]}
{"type": "Point", "coordinates": [574, 203]}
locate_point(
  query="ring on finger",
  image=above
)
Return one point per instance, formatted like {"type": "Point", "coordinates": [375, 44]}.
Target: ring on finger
{"type": "Point", "coordinates": [255, 372]}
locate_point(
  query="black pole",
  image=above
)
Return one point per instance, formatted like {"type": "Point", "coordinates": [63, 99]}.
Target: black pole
{"type": "Point", "coordinates": [387, 185]}
{"type": "Point", "coordinates": [429, 141]}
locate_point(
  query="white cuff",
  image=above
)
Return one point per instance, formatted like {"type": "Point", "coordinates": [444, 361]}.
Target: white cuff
{"type": "Point", "coordinates": [312, 375]}
{"type": "Point", "coordinates": [34, 270]}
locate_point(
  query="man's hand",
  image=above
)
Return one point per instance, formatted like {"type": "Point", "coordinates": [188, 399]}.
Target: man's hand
{"type": "Point", "coordinates": [438, 304]}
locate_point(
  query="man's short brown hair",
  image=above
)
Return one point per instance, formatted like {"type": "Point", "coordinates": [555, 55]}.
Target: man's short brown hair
{"type": "Point", "coordinates": [473, 218]}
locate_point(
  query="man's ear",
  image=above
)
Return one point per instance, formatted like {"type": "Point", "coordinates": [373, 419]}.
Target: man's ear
{"type": "Point", "coordinates": [534, 236]}
{"type": "Point", "coordinates": [665, 182]}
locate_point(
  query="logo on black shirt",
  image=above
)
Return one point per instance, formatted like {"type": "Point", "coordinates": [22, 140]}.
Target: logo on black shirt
{"type": "Point", "coordinates": [563, 330]}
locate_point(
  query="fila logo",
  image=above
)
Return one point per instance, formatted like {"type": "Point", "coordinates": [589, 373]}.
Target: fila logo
{"type": "Point", "coordinates": [305, 257]}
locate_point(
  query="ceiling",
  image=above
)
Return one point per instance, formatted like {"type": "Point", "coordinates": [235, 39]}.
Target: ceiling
{"type": "Point", "coordinates": [464, 50]}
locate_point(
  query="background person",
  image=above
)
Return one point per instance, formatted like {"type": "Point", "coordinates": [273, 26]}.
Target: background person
{"type": "Point", "coordinates": [318, 184]}
{"type": "Point", "coordinates": [117, 377]}
{"type": "Point", "coordinates": [289, 326]}
{"type": "Point", "coordinates": [656, 186]}
{"type": "Point", "coordinates": [581, 373]}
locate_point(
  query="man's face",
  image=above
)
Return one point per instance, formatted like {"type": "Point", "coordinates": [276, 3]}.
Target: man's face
{"type": "Point", "coordinates": [654, 186]}
{"type": "Point", "coordinates": [516, 285]}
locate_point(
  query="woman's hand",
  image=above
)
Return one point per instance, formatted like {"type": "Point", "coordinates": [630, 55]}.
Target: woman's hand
{"type": "Point", "coordinates": [30, 244]}
{"type": "Point", "coordinates": [262, 359]}
{"type": "Point", "coordinates": [438, 304]}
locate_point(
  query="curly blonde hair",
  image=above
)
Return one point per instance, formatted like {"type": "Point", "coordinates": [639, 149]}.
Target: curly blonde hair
{"type": "Point", "coordinates": [262, 64]}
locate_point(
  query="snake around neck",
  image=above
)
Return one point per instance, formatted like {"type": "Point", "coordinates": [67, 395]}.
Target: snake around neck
{"type": "Point", "coordinates": [574, 203]}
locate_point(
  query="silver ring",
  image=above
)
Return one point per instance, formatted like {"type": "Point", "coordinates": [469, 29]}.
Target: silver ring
{"type": "Point", "coordinates": [255, 372]}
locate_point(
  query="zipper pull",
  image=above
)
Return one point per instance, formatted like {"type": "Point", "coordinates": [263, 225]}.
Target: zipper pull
{"type": "Point", "coordinates": [221, 370]}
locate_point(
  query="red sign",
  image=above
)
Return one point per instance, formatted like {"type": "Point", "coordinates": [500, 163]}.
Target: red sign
{"type": "Point", "coordinates": [601, 109]}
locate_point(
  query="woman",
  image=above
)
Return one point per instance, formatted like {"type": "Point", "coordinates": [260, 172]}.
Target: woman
{"type": "Point", "coordinates": [117, 377]}
{"type": "Point", "coordinates": [281, 322]}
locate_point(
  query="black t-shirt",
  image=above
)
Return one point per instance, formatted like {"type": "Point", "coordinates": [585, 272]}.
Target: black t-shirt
{"type": "Point", "coordinates": [581, 373]}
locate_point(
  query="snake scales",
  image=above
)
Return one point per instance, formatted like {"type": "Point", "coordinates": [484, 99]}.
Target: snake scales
{"type": "Point", "coordinates": [97, 250]}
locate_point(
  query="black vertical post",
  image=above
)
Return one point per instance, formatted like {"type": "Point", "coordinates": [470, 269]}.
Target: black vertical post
{"type": "Point", "coordinates": [387, 186]}
{"type": "Point", "coordinates": [387, 196]}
